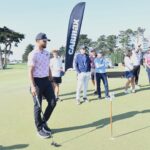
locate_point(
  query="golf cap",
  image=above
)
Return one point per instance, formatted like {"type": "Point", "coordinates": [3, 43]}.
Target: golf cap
{"type": "Point", "coordinates": [100, 52]}
{"type": "Point", "coordinates": [83, 47]}
{"type": "Point", "coordinates": [148, 49]}
{"type": "Point", "coordinates": [91, 49]}
{"type": "Point", "coordinates": [42, 36]}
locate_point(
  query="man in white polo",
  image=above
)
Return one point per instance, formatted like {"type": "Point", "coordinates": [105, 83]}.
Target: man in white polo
{"type": "Point", "coordinates": [136, 59]}
{"type": "Point", "coordinates": [40, 82]}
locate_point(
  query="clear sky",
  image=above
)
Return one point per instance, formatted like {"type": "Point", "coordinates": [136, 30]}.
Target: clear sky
{"type": "Point", "coordinates": [51, 16]}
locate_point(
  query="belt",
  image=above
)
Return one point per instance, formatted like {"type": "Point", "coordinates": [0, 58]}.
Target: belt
{"type": "Point", "coordinates": [44, 78]}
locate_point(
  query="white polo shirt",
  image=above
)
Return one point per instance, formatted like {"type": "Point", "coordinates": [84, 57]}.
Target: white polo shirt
{"type": "Point", "coordinates": [56, 65]}
{"type": "Point", "coordinates": [40, 60]}
{"type": "Point", "coordinates": [136, 58]}
{"type": "Point", "coordinates": [128, 64]}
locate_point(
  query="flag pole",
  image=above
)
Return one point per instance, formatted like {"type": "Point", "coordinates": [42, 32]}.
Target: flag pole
{"type": "Point", "coordinates": [111, 121]}
{"type": "Point", "coordinates": [112, 96]}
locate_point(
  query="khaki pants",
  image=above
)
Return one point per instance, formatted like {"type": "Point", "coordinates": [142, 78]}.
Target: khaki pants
{"type": "Point", "coordinates": [83, 80]}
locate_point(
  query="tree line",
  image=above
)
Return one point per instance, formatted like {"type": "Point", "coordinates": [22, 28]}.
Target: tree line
{"type": "Point", "coordinates": [8, 40]}
{"type": "Point", "coordinates": [112, 45]}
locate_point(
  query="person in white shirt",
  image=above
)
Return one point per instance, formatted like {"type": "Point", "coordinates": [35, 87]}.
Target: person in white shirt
{"type": "Point", "coordinates": [129, 72]}
{"type": "Point", "coordinates": [57, 69]}
{"type": "Point", "coordinates": [147, 63]}
{"type": "Point", "coordinates": [136, 58]}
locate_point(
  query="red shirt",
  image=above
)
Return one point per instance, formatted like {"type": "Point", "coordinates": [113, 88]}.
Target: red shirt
{"type": "Point", "coordinates": [147, 59]}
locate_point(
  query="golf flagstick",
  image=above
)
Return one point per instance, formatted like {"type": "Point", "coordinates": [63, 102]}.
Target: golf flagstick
{"type": "Point", "coordinates": [52, 143]}
{"type": "Point", "coordinates": [111, 114]}
{"type": "Point", "coordinates": [111, 122]}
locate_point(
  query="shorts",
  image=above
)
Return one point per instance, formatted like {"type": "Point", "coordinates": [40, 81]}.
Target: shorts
{"type": "Point", "coordinates": [129, 74]}
{"type": "Point", "coordinates": [93, 74]}
{"type": "Point", "coordinates": [57, 80]}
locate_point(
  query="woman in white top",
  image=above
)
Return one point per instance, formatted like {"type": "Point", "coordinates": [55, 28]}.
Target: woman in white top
{"type": "Point", "coordinates": [147, 63]}
{"type": "Point", "coordinates": [129, 72]}
{"type": "Point", "coordinates": [56, 69]}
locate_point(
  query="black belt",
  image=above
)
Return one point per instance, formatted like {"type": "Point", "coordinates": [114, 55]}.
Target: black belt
{"type": "Point", "coordinates": [44, 78]}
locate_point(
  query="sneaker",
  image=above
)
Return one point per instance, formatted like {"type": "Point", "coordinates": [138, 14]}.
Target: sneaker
{"type": "Point", "coordinates": [78, 102]}
{"type": "Point", "coordinates": [137, 87]}
{"type": "Point", "coordinates": [133, 91]}
{"type": "Point", "coordinates": [127, 92]}
{"type": "Point", "coordinates": [95, 92]}
{"type": "Point", "coordinates": [43, 134]}
{"type": "Point", "coordinates": [85, 99]}
{"type": "Point", "coordinates": [46, 129]}
{"type": "Point", "coordinates": [58, 99]}
{"type": "Point", "coordinates": [100, 98]}
{"type": "Point", "coordinates": [107, 97]}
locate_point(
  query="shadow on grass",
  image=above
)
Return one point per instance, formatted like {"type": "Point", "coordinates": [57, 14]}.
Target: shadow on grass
{"type": "Point", "coordinates": [144, 88]}
{"type": "Point", "coordinates": [14, 147]}
{"type": "Point", "coordinates": [102, 122]}
{"type": "Point", "coordinates": [72, 93]}
{"type": "Point", "coordinates": [134, 131]}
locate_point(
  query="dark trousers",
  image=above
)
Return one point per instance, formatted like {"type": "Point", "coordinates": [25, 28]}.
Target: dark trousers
{"type": "Point", "coordinates": [136, 73]}
{"type": "Point", "coordinates": [148, 72]}
{"type": "Point", "coordinates": [44, 88]}
{"type": "Point", "coordinates": [103, 77]}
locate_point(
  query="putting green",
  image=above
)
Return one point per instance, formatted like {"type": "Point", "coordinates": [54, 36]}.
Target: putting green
{"type": "Point", "coordinates": [84, 127]}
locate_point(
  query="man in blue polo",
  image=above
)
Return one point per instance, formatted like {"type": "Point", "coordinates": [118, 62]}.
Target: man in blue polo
{"type": "Point", "coordinates": [83, 68]}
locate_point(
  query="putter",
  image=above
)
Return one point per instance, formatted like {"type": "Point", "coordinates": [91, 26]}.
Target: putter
{"type": "Point", "coordinates": [52, 143]}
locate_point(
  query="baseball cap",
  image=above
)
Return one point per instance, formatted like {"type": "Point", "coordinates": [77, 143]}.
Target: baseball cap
{"type": "Point", "coordinates": [148, 49]}
{"type": "Point", "coordinates": [91, 49]}
{"type": "Point", "coordinates": [42, 36]}
{"type": "Point", "coordinates": [83, 47]}
{"type": "Point", "coordinates": [100, 52]}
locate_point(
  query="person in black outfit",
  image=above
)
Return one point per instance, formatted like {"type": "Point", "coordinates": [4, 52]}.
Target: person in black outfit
{"type": "Point", "coordinates": [41, 84]}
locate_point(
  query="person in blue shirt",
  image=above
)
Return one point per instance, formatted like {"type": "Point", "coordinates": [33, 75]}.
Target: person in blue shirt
{"type": "Point", "coordinates": [100, 68]}
{"type": "Point", "coordinates": [83, 68]}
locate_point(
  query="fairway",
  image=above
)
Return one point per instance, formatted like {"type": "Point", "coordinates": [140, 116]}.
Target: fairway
{"type": "Point", "coordinates": [75, 127]}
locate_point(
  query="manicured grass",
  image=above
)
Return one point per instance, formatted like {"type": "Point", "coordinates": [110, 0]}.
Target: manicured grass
{"type": "Point", "coordinates": [84, 127]}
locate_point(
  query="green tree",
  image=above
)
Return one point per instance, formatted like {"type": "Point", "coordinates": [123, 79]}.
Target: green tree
{"type": "Point", "coordinates": [8, 38]}
{"type": "Point", "coordinates": [111, 41]}
{"type": "Point", "coordinates": [102, 43]}
{"type": "Point", "coordinates": [28, 49]}
{"type": "Point", "coordinates": [125, 38]}
{"type": "Point", "coordinates": [139, 32]}
{"type": "Point", "coordinates": [62, 51]}
{"type": "Point", "coordinates": [84, 40]}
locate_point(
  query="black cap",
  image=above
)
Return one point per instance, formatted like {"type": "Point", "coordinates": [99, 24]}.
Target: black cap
{"type": "Point", "coordinates": [42, 36]}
